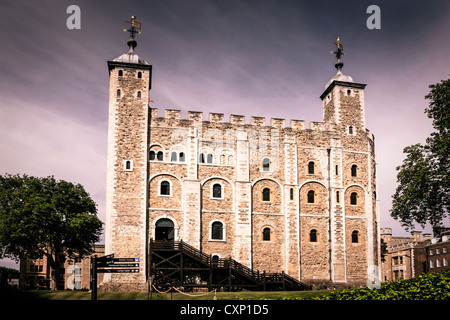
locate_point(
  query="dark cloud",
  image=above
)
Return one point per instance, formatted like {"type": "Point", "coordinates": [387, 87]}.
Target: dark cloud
{"type": "Point", "coordinates": [251, 57]}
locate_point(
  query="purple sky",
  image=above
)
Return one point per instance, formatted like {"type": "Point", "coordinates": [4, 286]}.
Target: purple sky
{"type": "Point", "coordinates": [250, 57]}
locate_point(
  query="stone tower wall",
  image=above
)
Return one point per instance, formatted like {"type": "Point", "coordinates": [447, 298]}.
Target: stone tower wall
{"type": "Point", "coordinates": [309, 179]}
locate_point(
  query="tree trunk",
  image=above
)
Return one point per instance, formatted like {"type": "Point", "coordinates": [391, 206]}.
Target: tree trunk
{"type": "Point", "coordinates": [55, 265]}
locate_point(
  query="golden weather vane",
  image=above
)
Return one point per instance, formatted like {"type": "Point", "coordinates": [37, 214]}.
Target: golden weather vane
{"type": "Point", "coordinates": [134, 27]}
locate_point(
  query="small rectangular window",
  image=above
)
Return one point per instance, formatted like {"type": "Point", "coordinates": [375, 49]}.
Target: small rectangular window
{"type": "Point", "coordinates": [164, 189]}
{"type": "Point", "coordinates": [217, 191]}
{"type": "Point", "coordinates": [266, 234]}
{"type": "Point", "coordinates": [266, 164]}
{"type": "Point", "coordinates": [128, 165]}
{"type": "Point", "coordinates": [217, 231]}
{"type": "Point", "coordinates": [311, 167]}
{"type": "Point", "coordinates": [266, 194]}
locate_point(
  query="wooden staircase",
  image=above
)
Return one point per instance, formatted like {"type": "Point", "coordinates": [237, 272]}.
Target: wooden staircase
{"type": "Point", "coordinates": [178, 264]}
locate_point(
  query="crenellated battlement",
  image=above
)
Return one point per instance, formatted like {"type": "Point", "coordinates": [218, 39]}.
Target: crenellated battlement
{"type": "Point", "coordinates": [275, 123]}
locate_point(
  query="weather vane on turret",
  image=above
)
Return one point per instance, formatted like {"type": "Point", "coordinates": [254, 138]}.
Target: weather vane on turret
{"type": "Point", "coordinates": [134, 27]}
{"type": "Point", "coordinates": [339, 53]}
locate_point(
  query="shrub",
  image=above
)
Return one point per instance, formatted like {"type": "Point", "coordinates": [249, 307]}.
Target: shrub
{"type": "Point", "coordinates": [423, 287]}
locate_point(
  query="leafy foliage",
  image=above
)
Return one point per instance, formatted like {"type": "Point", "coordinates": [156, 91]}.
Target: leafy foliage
{"type": "Point", "coordinates": [43, 216]}
{"type": "Point", "coordinates": [423, 193]}
{"type": "Point", "coordinates": [433, 286]}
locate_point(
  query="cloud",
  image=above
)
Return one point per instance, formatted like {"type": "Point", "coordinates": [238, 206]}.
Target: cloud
{"type": "Point", "coordinates": [264, 58]}
{"type": "Point", "coordinates": [42, 142]}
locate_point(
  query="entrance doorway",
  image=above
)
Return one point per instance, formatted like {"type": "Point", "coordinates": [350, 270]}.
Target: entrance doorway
{"type": "Point", "coordinates": [164, 230]}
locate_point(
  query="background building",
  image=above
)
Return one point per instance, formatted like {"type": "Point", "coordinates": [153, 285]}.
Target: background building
{"type": "Point", "coordinates": [74, 275]}
{"type": "Point", "coordinates": [438, 252]}
{"type": "Point", "coordinates": [408, 257]}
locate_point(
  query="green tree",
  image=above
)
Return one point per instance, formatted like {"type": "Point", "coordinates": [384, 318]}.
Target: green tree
{"type": "Point", "coordinates": [42, 216]}
{"type": "Point", "coordinates": [423, 193]}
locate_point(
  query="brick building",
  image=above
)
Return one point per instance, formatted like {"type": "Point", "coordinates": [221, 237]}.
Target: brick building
{"type": "Point", "coordinates": [75, 274]}
{"type": "Point", "coordinates": [274, 197]}
{"type": "Point", "coordinates": [405, 257]}
{"type": "Point", "coordinates": [438, 252]}
{"type": "Point", "coordinates": [408, 257]}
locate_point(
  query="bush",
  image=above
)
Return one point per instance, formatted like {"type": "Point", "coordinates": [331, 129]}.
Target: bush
{"type": "Point", "coordinates": [423, 287]}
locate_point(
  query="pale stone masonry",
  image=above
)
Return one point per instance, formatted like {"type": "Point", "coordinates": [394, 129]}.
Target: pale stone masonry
{"type": "Point", "coordinates": [274, 197]}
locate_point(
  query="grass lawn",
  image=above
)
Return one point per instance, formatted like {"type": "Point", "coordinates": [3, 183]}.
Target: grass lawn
{"type": "Point", "coordinates": [246, 295]}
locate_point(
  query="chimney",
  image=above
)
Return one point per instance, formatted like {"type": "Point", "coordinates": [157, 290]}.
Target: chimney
{"type": "Point", "coordinates": [417, 236]}
{"type": "Point", "coordinates": [386, 234]}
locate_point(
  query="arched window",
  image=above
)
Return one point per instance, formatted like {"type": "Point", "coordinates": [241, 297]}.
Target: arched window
{"type": "Point", "coordinates": [313, 235]}
{"type": "Point", "coordinates": [128, 165]}
{"type": "Point", "coordinates": [354, 170]}
{"type": "Point", "coordinates": [120, 73]}
{"type": "Point", "coordinates": [311, 195]}
{"type": "Point", "coordinates": [350, 130]}
{"type": "Point", "coordinates": [139, 75]}
{"type": "Point", "coordinates": [139, 94]}
{"type": "Point", "coordinates": [355, 236]}
{"type": "Point", "coordinates": [173, 156]}
{"type": "Point", "coordinates": [202, 158]}
{"type": "Point", "coordinates": [210, 158]}
{"type": "Point", "coordinates": [118, 93]}
{"type": "Point", "coordinates": [217, 190]}
{"type": "Point", "coordinates": [311, 167]}
{"type": "Point", "coordinates": [182, 157]}
{"type": "Point", "coordinates": [160, 156]}
{"type": "Point", "coordinates": [337, 196]}
{"type": "Point", "coordinates": [215, 259]}
{"type": "Point", "coordinates": [152, 155]}
{"type": "Point", "coordinates": [266, 234]}
{"type": "Point", "coordinates": [164, 189]}
{"type": "Point", "coordinates": [266, 194]}
{"type": "Point", "coordinates": [164, 229]}
{"type": "Point", "coordinates": [230, 159]}
{"type": "Point", "coordinates": [353, 198]}
{"type": "Point", "coordinates": [217, 230]}
{"type": "Point", "coordinates": [291, 194]}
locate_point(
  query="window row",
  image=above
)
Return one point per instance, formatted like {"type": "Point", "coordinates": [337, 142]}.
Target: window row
{"type": "Point", "coordinates": [181, 157]}
{"type": "Point", "coordinates": [311, 167]}
{"type": "Point", "coordinates": [165, 189]}
{"type": "Point", "coordinates": [438, 251]}
{"type": "Point", "coordinates": [437, 263]}
{"type": "Point", "coordinates": [228, 159]}
{"type": "Point", "coordinates": [119, 94]}
{"type": "Point", "coordinates": [217, 193]}
{"type": "Point", "coordinates": [314, 236]}
{"type": "Point", "coordinates": [217, 232]}
{"type": "Point", "coordinates": [139, 74]}
{"type": "Point", "coordinates": [225, 159]}
{"type": "Point", "coordinates": [174, 156]}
